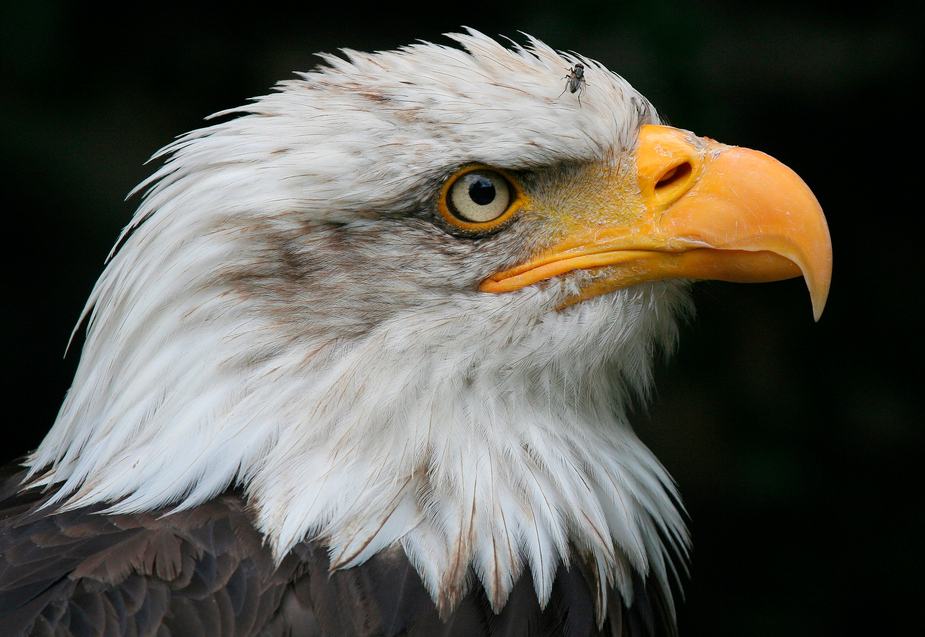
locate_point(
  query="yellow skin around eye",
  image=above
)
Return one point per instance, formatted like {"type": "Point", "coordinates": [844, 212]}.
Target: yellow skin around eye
{"type": "Point", "coordinates": [465, 206]}
{"type": "Point", "coordinates": [516, 199]}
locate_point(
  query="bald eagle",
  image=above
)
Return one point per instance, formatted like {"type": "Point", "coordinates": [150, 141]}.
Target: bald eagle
{"type": "Point", "coordinates": [362, 361]}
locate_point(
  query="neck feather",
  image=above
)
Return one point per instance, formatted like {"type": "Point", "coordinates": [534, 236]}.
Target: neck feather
{"type": "Point", "coordinates": [477, 455]}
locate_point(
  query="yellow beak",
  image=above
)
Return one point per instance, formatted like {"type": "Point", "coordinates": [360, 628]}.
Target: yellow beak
{"type": "Point", "coordinates": [704, 211]}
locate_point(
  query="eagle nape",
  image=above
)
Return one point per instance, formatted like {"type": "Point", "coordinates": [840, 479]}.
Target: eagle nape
{"type": "Point", "coordinates": [362, 361]}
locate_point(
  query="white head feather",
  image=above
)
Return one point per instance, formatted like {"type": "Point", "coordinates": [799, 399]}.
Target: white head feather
{"type": "Point", "coordinates": [284, 316]}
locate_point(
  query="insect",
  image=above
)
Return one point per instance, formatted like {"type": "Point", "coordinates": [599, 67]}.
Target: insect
{"type": "Point", "coordinates": [575, 81]}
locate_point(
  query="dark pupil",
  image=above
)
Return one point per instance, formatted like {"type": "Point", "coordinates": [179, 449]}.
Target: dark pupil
{"type": "Point", "coordinates": [482, 191]}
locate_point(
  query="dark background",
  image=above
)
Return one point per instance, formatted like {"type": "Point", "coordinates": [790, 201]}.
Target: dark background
{"type": "Point", "coordinates": [796, 445]}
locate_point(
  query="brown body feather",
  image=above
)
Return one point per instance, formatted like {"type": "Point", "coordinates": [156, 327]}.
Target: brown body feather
{"type": "Point", "coordinates": [207, 571]}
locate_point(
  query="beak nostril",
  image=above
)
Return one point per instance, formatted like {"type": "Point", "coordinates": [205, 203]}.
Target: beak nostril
{"type": "Point", "coordinates": [675, 175]}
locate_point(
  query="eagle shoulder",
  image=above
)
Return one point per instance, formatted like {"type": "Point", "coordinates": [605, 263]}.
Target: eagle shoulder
{"type": "Point", "coordinates": [81, 572]}
{"type": "Point", "coordinates": [208, 571]}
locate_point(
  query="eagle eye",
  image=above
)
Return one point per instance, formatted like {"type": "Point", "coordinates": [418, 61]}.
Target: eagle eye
{"type": "Point", "coordinates": [479, 198]}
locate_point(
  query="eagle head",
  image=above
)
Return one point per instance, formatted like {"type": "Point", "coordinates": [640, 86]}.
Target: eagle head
{"type": "Point", "coordinates": [403, 302]}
